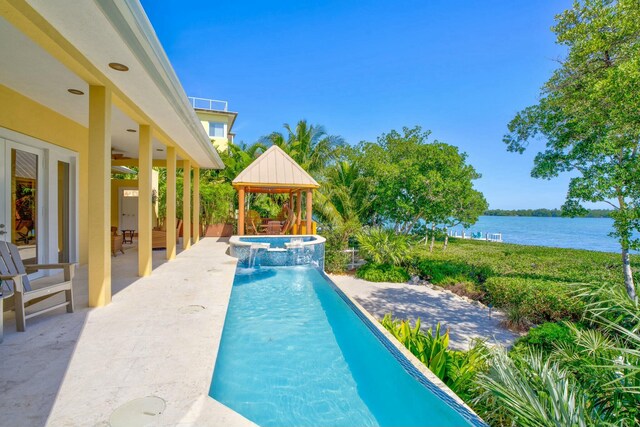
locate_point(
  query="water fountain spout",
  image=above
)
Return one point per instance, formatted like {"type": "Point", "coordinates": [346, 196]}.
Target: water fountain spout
{"type": "Point", "coordinates": [254, 250]}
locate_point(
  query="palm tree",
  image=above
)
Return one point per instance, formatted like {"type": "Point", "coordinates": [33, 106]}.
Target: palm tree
{"type": "Point", "coordinates": [238, 158]}
{"type": "Point", "coordinates": [342, 201]}
{"type": "Point", "coordinates": [309, 145]}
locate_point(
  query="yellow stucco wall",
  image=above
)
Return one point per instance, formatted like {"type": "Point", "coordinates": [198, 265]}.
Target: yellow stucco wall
{"type": "Point", "coordinates": [205, 117]}
{"type": "Point", "coordinates": [26, 116]}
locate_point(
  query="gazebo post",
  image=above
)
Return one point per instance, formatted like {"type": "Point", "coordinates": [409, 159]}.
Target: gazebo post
{"type": "Point", "coordinates": [241, 211]}
{"type": "Point", "coordinates": [298, 211]}
{"type": "Point", "coordinates": [309, 210]}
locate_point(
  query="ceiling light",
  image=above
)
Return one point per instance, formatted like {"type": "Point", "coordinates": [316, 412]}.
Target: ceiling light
{"type": "Point", "coordinates": [75, 91]}
{"type": "Point", "coordinates": [131, 130]}
{"type": "Point", "coordinates": [118, 67]}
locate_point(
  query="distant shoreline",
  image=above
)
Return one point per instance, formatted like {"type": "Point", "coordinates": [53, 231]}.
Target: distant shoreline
{"type": "Point", "coordinates": [545, 213]}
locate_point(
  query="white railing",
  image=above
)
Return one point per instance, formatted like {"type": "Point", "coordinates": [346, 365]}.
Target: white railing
{"type": "Point", "coordinates": [490, 237]}
{"type": "Point", "coordinates": [208, 104]}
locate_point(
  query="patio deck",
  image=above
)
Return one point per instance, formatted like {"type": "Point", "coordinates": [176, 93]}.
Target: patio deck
{"type": "Point", "coordinates": [159, 337]}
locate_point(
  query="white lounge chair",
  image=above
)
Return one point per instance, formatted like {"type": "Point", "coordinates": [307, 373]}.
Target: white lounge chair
{"type": "Point", "coordinates": [13, 270]}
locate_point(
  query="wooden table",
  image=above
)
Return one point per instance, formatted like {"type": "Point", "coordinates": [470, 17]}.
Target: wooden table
{"type": "Point", "coordinates": [124, 236]}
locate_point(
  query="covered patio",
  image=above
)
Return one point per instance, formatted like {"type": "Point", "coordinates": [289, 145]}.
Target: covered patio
{"type": "Point", "coordinates": [77, 111]}
{"type": "Point", "coordinates": [275, 172]}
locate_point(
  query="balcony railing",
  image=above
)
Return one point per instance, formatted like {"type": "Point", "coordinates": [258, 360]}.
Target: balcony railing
{"type": "Point", "coordinates": [208, 104]}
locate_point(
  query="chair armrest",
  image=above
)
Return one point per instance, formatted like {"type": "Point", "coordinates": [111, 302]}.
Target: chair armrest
{"type": "Point", "coordinates": [68, 267]}
{"type": "Point", "coordinates": [17, 281]}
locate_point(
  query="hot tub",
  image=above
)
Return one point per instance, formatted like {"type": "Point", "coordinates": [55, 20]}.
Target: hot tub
{"type": "Point", "coordinates": [276, 250]}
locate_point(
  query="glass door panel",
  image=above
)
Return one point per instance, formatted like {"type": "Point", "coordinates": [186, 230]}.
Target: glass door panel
{"type": "Point", "coordinates": [24, 203]}
{"type": "Point", "coordinates": [64, 241]}
{"type": "Point", "coordinates": [5, 234]}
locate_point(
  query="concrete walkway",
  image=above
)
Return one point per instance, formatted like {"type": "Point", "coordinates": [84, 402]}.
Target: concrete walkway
{"type": "Point", "coordinates": [464, 320]}
{"type": "Point", "coordinates": [159, 337]}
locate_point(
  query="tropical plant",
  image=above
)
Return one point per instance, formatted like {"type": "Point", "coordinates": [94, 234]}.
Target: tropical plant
{"type": "Point", "coordinates": [430, 348]}
{"type": "Point", "coordinates": [217, 200]}
{"type": "Point", "coordinates": [342, 202]}
{"type": "Point", "coordinates": [533, 391]}
{"type": "Point", "coordinates": [457, 369]}
{"type": "Point", "coordinates": [588, 117]}
{"type": "Point", "coordinates": [237, 158]}
{"type": "Point", "coordinates": [381, 246]}
{"type": "Point", "coordinates": [309, 145]}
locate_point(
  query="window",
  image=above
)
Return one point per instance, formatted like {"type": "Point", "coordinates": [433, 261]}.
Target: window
{"type": "Point", "coordinates": [216, 129]}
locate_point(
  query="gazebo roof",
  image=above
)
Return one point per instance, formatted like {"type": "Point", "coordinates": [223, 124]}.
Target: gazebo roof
{"type": "Point", "coordinates": [274, 172]}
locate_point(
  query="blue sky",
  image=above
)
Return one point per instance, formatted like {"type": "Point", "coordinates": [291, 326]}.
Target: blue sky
{"type": "Point", "coordinates": [360, 68]}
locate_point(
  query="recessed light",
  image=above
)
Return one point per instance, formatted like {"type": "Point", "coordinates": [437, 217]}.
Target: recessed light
{"type": "Point", "coordinates": [75, 91]}
{"type": "Point", "coordinates": [131, 130]}
{"type": "Point", "coordinates": [118, 67]}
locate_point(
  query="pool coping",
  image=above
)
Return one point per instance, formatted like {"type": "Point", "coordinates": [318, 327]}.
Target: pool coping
{"type": "Point", "coordinates": [410, 363]}
{"type": "Point", "coordinates": [235, 239]}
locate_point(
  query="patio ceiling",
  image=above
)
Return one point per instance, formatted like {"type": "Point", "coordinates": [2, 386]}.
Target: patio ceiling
{"type": "Point", "coordinates": [96, 29]}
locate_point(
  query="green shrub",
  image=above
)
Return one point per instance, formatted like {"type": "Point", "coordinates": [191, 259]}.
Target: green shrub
{"type": "Point", "coordinates": [383, 246]}
{"type": "Point", "coordinates": [450, 272]}
{"type": "Point", "coordinates": [544, 336]}
{"type": "Point", "coordinates": [336, 261]}
{"type": "Point", "coordinates": [373, 272]}
{"type": "Point", "coordinates": [535, 300]}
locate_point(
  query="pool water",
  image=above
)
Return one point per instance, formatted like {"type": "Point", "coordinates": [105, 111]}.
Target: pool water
{"type": "Point", "coordinates": [293, 353]}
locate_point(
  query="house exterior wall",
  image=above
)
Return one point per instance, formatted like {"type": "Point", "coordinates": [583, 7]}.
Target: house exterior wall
{"type": "Point", "coordinates": [30, 118]}
{"type": "Point", "coordinates": [221, 143]}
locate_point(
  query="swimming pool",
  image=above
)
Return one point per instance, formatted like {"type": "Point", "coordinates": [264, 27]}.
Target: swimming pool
{"type": "Point", "coordinates": [296, 352]}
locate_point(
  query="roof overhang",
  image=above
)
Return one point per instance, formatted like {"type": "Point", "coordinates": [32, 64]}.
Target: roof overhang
{"type": "Point", "coordinates": [85, 36]}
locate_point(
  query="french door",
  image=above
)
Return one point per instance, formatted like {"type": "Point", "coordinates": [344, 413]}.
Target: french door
{"type": "Point", "coordinates": [23, 199]}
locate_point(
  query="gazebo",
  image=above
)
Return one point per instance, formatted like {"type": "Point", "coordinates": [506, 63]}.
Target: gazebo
{"type": "Point", "coordinates": [274, 172]}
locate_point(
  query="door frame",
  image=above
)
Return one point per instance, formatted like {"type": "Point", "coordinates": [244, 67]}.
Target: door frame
{"type": "Point", "coordinates": [47, 190]}
{"type": "Point", "coordinates": [121, 191]}
{"type": "Point", "coordinates": [4, 218]}
{"type": "Point", "coordinates": [42, 237]}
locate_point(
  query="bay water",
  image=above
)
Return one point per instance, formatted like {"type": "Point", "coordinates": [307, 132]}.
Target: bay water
{"type": "Point", "coordinates": [576, 233]}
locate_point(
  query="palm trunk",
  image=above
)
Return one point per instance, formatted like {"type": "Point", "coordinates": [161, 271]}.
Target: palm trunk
{"type": "Point", "coordinates": [433, 237]}
{"type": "Point", "coordinates": [628, 276]}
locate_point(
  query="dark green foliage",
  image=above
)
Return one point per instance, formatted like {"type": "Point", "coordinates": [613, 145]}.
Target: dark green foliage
{"type": "Point", "coordinates": [443, 272]}
{"type": "Point", "coordinates": [544, 337]}
{"type": "Point", "coordinates": [336, 261]}
{"type": "Point", "coordinates": [590, 213]}
{"type": "Point", "coordinates": [373, 272]}
{"type": "Point", "coordinates": [536, 300]}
